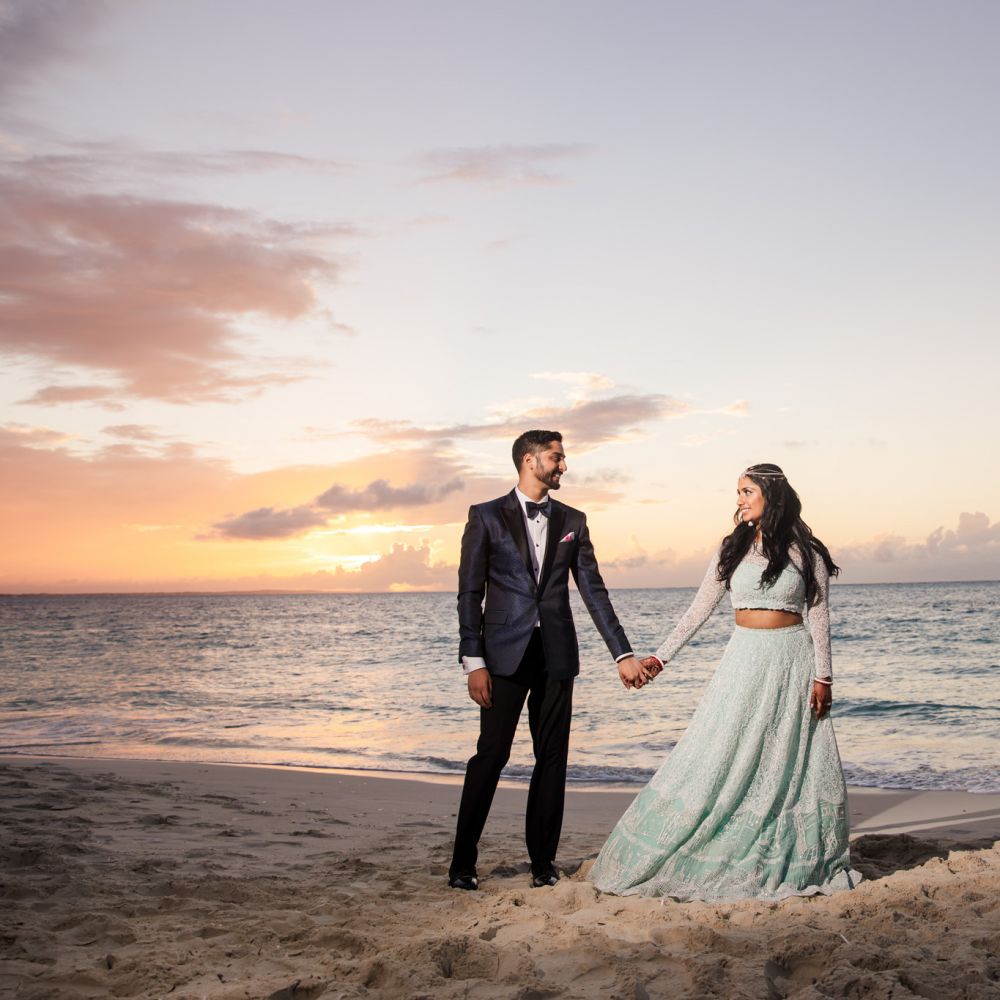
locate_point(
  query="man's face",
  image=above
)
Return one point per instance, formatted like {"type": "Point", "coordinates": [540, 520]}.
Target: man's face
{"type": "Point", "coordinates": [548, 465]}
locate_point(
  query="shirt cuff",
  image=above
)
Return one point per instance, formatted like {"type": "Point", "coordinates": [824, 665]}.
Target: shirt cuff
{"type": "Point", "coordinates": [470, 663]}
{"type": "Point", "coordinates": [624, 656]}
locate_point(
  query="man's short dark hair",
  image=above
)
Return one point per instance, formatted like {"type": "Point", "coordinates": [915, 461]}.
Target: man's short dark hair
{"type": "Point", "coordinates": [531, 443]}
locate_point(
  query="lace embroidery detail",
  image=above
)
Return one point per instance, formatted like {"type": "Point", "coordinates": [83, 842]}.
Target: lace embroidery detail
{"type": "Point", "coordinates": [786, 594]}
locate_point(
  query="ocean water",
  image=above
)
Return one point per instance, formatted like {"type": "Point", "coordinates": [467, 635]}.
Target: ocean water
{"type": "Point", "coordinates": [372, 682]}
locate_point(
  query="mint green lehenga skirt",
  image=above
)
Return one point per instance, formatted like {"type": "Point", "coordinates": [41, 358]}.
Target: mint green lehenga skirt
{"type": "Point", "coordinates": [751, 803]}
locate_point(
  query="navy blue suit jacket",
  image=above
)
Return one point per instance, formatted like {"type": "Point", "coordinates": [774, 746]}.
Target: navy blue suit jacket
{"type": "Point", "coordinates": [496, 565]}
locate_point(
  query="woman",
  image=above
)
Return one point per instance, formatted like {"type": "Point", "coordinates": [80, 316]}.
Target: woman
{"type": "Point", "coordinates": [751, 803]}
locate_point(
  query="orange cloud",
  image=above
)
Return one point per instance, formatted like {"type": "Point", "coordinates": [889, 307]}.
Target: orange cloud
{"type": "Point", "coordinates": [133, 516]}
{"type": "Point", "coordinates": [129, 515]}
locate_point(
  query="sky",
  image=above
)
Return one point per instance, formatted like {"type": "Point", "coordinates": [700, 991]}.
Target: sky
{"type": "Point", "coordinates": [280, 282]}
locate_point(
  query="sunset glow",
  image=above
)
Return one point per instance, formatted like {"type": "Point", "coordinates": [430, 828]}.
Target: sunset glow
{"type": "Point", "coordinates": [279, 284]}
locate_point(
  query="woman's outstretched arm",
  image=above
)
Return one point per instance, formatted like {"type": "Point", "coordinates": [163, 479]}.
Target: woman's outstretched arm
{"type": "Point", "coordinates": [705, 602]}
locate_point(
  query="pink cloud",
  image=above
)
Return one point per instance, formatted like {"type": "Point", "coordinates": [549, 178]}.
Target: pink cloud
{"type": "Point", "coordinates": [133, 432]}
{"type": "Point", "coordinates": [147, 292]}
{"type": "Point", "coordinates": [54, 395]}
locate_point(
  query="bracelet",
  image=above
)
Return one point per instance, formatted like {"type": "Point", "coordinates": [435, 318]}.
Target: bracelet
{"type": "Point", "coordinates": [824, 680]}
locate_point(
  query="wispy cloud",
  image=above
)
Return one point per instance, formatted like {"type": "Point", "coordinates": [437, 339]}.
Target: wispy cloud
{"type": "Point", "coordinates": [499, 166]}
{"type": "Point", "coordinates": [267, 522]}
{"type": "Point", "coordinates": [116, 163]}
{"type": "Point", "coordinates": [379, 495]}
{"type": "Point", "coordinates": [148, 293]}
{"type": "Point", "coordinates": [25, 436]}
{"type": "Point", "coordinates": [54, 395]}
{"type": "Point", "coordinates": [585, 422]}
{"type": "Point", "coordinates": [133, 432]}
{"type": "Point", "coordinates": [584, 385]}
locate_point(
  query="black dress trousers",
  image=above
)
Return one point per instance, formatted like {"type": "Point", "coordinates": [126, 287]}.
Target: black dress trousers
{"type": "Point", "coordinates": [550, 707]}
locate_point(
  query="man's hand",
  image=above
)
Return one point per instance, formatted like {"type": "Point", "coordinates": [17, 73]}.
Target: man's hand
{"type": "Point", "coordinates": [631, 673]}
{"type": "Point", "coordinates": [481, 687]}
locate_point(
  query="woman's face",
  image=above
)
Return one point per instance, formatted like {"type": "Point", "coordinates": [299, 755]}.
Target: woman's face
{"type": "Point", "coordinates": [749, 500]}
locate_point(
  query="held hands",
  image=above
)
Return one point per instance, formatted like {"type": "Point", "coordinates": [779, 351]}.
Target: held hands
{"type": "Point", "coordinates": [636, 673]}
{"type": "Point", "coordinates": [633, 673]}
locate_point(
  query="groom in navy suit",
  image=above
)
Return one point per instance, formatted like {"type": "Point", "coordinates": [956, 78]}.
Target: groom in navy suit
{"type": "Point", "coordinates": [520, 643]}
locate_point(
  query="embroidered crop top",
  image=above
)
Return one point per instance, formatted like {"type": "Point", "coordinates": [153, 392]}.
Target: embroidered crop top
{"type": "Point", "coordinates": [787, 593]}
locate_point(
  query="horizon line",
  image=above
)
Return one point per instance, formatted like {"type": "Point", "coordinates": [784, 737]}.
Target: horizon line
{"type": "Point", "coordinates": [277, 592]}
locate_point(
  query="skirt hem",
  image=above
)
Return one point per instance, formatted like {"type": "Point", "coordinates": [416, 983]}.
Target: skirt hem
{"type": "Point", "coordinates": [841, 882]}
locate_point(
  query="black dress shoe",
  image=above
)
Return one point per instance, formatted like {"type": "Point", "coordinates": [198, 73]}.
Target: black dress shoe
{"type": "Point", "coordinates": [464, 880]}
{"type": "Point", "coordinates": [547, 876]}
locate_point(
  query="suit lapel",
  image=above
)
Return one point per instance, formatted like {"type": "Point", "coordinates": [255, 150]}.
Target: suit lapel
{"type": "Point", "coordinates": [557, 520]}
{"type": "Point", "coordinates": [514, 517]}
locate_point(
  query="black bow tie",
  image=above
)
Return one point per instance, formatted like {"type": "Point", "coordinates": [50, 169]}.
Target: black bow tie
{"type": "Point", "coordinates": [534, 509]}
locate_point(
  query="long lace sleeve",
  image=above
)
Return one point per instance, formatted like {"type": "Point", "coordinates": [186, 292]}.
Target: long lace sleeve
{"type": "Point", "coordinates": [818, 617]}
{"type": "Point", "coordinates": [705, 602]}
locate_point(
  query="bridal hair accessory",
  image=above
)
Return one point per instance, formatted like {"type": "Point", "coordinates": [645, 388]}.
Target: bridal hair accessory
{"type": "Point", "coordinates": [763, 475]}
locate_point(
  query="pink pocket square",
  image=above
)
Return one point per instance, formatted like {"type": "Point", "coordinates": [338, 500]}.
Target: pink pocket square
{"type": "Point", "coordinates": [568, 538]}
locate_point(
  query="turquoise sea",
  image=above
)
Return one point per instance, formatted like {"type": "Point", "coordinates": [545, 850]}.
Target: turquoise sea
{"type": "Point", "coordinates": [372, 681]}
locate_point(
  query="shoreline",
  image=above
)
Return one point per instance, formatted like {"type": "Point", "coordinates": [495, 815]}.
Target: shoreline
{"type": "Point", "coordinates": [199, 881]}
{"type": "Point", "coordinates": [442, 777]}
{"type": "Point", "coordinates": [956, 814]}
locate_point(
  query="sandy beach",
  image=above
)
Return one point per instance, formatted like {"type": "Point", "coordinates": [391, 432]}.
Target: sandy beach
{"type": "Point", "coordinates": [126, 878]}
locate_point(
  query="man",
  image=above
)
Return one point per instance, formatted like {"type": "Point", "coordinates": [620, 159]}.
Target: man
{"type": "Point", "coordinates": [518, 552]}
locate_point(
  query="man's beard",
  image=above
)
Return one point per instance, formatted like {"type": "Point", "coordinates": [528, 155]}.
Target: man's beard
{"type": "Point", "coordinates": [551, 481]}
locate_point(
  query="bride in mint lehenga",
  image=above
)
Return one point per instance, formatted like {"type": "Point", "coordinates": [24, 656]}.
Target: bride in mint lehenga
{"type": "Point", "coordinates": [751, 803]}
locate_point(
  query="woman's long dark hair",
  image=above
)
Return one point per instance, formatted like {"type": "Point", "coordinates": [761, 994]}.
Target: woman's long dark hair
{"type": "Point", "coordinates": [781, 527]}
